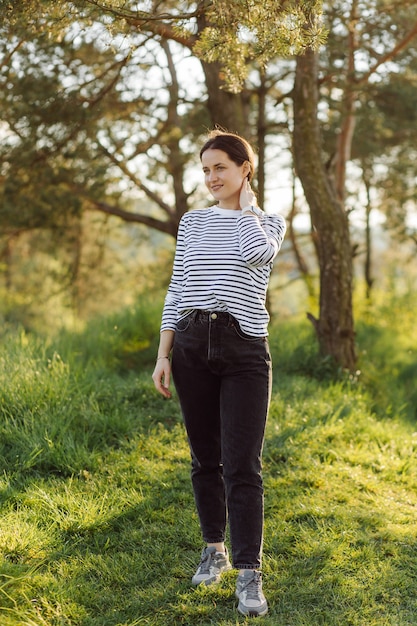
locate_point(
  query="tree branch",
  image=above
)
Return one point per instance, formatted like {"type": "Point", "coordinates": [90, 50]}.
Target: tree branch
{"type": "Point", "coordinates": [168, 227]}
{"type": "Point", "coordinates": [119, 65]}
{"type": "Point", "coordinates": [154, 22]}
{"type": "Point", "coordinates": [152, 195]}
{"type": "Point", "coordinates": [389, 55]}
{"type": "Point", "coordinates": [345, 138]}
{"type": "Point", "coordinates": [7, 59]}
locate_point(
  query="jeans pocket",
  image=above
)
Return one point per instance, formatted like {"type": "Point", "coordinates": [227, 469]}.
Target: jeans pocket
{"type": "Point", "coordinates": [242, 335]}
{"type": "Point", "coordinates": [184, 323]}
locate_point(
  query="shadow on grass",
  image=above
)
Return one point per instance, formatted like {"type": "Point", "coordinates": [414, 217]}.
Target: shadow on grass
{"type": "Point", "coordinates": [134, 568]}
{"type": "Point", "coordinates": [328, 561]}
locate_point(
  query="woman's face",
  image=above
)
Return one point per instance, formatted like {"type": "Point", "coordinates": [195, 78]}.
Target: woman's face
{"type": "Point", "coordinates": [223, 177]}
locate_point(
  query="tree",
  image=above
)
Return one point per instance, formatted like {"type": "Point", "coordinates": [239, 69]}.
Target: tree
{"type": "Point", "coordinates": [370, 59]}
{"type": "Point", "coordinates": [334, 327]}
{"type": "Point", "coordinates": [324, 179]}
{"type": "Point", "coordinates": [84, 115]}
{"type": "Point", "coordinates": [331, 95]}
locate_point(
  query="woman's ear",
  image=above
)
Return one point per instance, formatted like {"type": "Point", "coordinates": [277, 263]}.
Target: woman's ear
{"type": "Point", "coordinates": [246, 170]}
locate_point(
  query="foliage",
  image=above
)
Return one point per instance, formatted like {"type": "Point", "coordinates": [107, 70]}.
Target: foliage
{"type": "Point", "coordinates": [40, 384]}
{"type": "Point", "coordinates": [82, 108]}
{"type": "Point", "coordinates": [80, 115]}
{"type": "Point", "coordinates": [98, 526]}
{"type": "Point", "coordinates": [387, 341]}
{"type": "Point", "coordinates": [122, 341]}
{"type": "Point", "coordinates": [83, 121]}
{"type": "Point", "coordinates": [101, 266]}
{"type": "Point", "coordinates": [236, 34]}
{"type": "Point", "coordinates": [101, 103]}
{"type": "Point", "coordinates": [369, 62]}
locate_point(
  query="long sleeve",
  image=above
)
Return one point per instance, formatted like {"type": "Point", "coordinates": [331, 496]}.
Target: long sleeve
{"type": "Point", "coordinates": [174, 293]}
{"type": "Point", "coordinates": [260, 239]}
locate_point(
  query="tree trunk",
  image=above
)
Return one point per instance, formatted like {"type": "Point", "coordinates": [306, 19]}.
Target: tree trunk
{"type": "Point", "coordinates": [347, 128]}
{"type": "Point", "coordinates": [334, 328]}
{"type": "Point", "coordinates": [227, 110]}
{"type": "Point", "coordinates": [6, 258]}
{"type": "Point", "coordinates": [369, 281]}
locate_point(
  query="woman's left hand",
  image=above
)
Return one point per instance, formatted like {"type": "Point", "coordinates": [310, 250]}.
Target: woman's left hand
{"type": "Point", "coordinates": [247, 197]}
{"type": "Point", "coordinates": [162, 375]}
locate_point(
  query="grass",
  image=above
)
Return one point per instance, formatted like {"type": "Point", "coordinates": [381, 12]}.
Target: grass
{"type": "Point", "coordinates": [97, 521]}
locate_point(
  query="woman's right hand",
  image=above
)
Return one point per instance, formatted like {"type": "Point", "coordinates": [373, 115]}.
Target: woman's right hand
{"type": "Point", "coordinates": [162, 376]}
{"type": "Point", "coordinates": [247, 196]}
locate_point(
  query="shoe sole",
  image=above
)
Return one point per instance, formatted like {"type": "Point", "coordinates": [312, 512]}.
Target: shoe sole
{"type": "Point", "coordinates": [249, 613]}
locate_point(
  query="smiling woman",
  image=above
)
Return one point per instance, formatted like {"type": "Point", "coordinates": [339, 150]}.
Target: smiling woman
{"type": "Point", "coordinates": [215, 322]}
{"type": "Point", "coordinates": [223, 178]}
{"type": "Point", "coordinates": [227, 161]}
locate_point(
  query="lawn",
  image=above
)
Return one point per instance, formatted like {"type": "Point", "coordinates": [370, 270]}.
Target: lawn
{"type": "Point", "coordinates": [97, 521]}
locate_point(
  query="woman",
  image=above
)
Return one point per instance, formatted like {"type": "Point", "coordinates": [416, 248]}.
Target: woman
{"type": "Point", "coordinates": [215, 322]}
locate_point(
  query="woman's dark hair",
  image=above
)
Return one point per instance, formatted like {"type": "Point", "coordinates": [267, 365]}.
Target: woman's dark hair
{"type": "Point", "coordinates": [238, 149]}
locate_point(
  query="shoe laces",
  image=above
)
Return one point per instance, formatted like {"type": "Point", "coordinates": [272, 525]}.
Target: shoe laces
{"type": "Point", "coordinates": [205, 563]}
{"type": "Point", "coordinates": [253, 587]}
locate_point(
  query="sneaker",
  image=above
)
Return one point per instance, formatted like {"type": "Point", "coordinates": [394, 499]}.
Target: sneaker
{"type": "Point", "coordinates": [252, 601]}
{"type": "Point", "coordinates": [211, 567]}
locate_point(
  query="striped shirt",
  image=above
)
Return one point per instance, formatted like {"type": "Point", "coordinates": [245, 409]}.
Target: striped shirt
{"type": "Point", "coordinates": [223, 261]}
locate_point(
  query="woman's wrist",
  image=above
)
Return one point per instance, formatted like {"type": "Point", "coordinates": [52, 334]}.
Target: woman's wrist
{"type": "Point", "coordinates": [251, 210]}
{"type": "Point", "coordinates": [165, 345]}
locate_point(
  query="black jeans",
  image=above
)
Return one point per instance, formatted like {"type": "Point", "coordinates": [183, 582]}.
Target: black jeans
{"type": "Point", "coordinates": [223, 380]}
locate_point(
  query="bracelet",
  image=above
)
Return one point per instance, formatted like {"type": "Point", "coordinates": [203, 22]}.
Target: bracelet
{"type": "Point", "coordinates": [252, 210]}
{"type": "Point", "coordinates": [162, 357]}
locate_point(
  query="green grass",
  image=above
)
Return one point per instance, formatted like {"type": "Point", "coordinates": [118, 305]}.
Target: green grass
{"type": "Point", "coordinates": [97, 521]}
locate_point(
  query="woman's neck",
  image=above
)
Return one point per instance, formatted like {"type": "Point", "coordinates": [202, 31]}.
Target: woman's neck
{"type": "Point", "coordinates": [228, 207]}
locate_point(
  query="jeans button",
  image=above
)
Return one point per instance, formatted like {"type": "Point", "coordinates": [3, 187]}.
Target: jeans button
{"type": "Point", "coordinates": [213, 316]}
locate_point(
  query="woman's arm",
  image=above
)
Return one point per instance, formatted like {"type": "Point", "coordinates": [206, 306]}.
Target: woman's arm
{"type": "Point", "coordinates": [260, 236]}
{"type": "Point", "coordinates": [162, 372]}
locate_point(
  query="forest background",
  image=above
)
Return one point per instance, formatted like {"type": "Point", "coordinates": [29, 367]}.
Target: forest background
{"type": "Point", "coordinates": [104, 105]}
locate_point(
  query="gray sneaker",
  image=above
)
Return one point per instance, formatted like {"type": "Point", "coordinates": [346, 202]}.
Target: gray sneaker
{"type": "Point", "coordinates": [252, 601]}
{"type": "Point", "coordinates": [211, 567]}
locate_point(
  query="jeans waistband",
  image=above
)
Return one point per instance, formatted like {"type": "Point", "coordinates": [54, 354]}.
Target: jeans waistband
{"type": "Point", "coordinates": [220, 317]}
